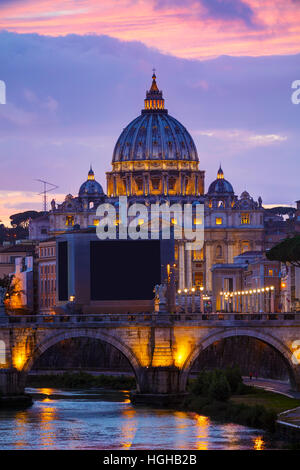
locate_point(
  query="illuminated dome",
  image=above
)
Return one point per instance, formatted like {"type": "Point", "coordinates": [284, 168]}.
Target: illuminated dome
{"type": "Point", "coordinates": [155, 135]}
{"type": "Point", "coordinates": [220, 185]}
{"type": "Point", "coordinates": [91, 187]}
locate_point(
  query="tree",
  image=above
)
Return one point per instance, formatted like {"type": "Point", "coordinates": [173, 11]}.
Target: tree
{"type": "Point", "coordinates": [21, 219]}
{"type": "Point", "coordinates": [287, 251]}
{"type": "Point", "coordinates": [219, 388]}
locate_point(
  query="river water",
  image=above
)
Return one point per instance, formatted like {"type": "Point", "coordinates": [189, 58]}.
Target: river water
{"type": "Point", "coordinates": [107, 420]}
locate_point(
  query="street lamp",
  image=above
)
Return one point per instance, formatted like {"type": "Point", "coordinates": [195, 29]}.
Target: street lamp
{"type": "Point", "coordinates": [201, 299]}
{"type": "Point", "coordinates": [193, 299]}
{"type": "Point", "coordinates": [186, 300]}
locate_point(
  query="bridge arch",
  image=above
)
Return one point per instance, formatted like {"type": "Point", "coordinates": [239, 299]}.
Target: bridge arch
{"type": "Point", "coordinates": [50, 340]}
{"type": "Point", "coordinates": [268, 339]}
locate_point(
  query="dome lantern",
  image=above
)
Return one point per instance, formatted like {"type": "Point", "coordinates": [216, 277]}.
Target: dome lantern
{"type": "Point", "coordinates": [154, 99]}
{"type": "Point", "coordinates": [220, 175]}
{"type": "Point", "coordinates": [91, 174]}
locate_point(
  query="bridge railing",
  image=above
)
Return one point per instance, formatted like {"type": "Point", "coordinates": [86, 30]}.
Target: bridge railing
{"type": "Point", "coordinates": [98, 319]}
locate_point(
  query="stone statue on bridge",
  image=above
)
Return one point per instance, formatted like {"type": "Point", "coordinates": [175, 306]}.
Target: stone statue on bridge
{"type": "Point", "coordinates": [160, 300]}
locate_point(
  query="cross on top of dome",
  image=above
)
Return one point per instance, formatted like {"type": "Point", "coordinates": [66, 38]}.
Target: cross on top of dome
{"type": "Point", "coordinates": [154, 99]}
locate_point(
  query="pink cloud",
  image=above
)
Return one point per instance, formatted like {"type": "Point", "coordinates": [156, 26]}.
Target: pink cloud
{"type": "Point", "coordinates": [191, 29]}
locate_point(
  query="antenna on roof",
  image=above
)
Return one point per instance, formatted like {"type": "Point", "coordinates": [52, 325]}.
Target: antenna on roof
{"type": "Point", "coordinates": [46, 190]}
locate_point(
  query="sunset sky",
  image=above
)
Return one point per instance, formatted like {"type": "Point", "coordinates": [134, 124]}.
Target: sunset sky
{"type": "Point", "coordinates": [76, 72]}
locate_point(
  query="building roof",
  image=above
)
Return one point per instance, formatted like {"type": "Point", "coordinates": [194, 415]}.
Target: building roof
{"type": "Point", "coordinates": [17, 248]}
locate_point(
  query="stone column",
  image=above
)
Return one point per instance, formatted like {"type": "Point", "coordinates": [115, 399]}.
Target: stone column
{"type": "Point", "coordinates": [125, 182]}
{"type": "Point", "coordinates": [246, 303]}
{"type": "Point", "coordinates": [167, 184]}
{"type": "Point", "coordinates": [260, 302]}
{"type": "Point", "coordinates": [188, 255]}
{"type": "Point", "coordinates": [201, 302]}
{"type": "Point", "coordinates": [272, 301]}
{"type": "Point", "coordinates": [181, 265]}
{"type": "Point", "coordinates": [230, 252]}
{"type": "Point", "coordinates": [196, 184]}
{"type": "Point", "coordinates": [222, 301]}
{"type": "Point", "coordinates": [208, 275]}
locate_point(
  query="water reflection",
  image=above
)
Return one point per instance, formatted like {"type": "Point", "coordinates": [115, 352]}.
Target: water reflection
{"type": "Point", "coordinates": [94, 420]}
{"type": "Point", "coordinates": [21, 425]}
{"type": "Point", "coordinates": [259, 443]}
{"type": "Point", "coordinates": [48, 416]}
{"type": "Point", "coordinates": [202, 423]}
{"type": "Point", "coordinates": [129, 427]}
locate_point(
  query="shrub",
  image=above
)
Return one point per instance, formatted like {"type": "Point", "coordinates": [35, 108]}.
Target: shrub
{"type": "Point", "coordinates": [234, 378]}
{"type": "Point", "coordinates": [201, 384]}
{"type": "Point", "coordinates": [219, 388]}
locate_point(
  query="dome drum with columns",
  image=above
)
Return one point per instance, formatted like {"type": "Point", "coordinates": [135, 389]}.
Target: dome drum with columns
{"type": "Point", "coordinates": [155, 155]}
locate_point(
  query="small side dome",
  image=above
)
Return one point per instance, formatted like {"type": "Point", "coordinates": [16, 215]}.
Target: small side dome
{"type": "Point", "coordinates": [91, 187]}
{"type": "Point", "coordinates": [220, 185]}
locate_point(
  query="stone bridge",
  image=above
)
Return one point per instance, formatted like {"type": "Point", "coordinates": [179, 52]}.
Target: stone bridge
{"type": "Point", "coordinates": [161, 348]}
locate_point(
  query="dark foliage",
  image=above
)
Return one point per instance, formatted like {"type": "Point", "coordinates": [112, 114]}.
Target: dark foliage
{"type": "Point", "coordinates": [287, 251]}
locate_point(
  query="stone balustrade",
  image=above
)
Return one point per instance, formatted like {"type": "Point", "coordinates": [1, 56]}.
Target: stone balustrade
{"type": "Point", "coordinates": [146, 318]}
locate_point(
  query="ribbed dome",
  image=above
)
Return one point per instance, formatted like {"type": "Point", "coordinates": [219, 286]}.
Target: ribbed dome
{"type": "Point", "coordinates": [91, 187]}
{"type": "Point", "coordinates": [220, 185]}
{"type": "Point", "coordinates": [155, 135]}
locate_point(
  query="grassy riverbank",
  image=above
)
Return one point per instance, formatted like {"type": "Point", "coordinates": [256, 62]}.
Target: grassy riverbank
{"type": "Point", "coordinates": [221, 395]}
{"type": "Point", "coordinates": [270, 400]}
{"type": "Point", "coordinates": [81, 380]}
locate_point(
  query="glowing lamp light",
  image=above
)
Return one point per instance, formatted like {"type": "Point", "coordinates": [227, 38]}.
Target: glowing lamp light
{"type": "Point", "coordinates": [185, 290]}
{"type": "Point", "coordinates": [179, 291]}
{"type": "Point", "coordinates": [72, 298]}
{"type": "Point", "coordinates": [193, 289]}
{"type": "Point", "coordinates": [19, 360]}
{"type": "Point", "coordinates": [201, 288]}
{"type": "Point", "coordinates": [272, 287]}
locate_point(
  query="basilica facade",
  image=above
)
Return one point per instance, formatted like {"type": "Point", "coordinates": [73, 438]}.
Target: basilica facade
{"type": "Point", "coordinates": [155, 160]}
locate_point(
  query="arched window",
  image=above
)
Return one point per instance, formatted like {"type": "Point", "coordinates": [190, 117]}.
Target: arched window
{"type": "Point", "coordinates": [245, 246]}
{"type": "Point", "coordinates": [219, 251]}
{"type": "Point", "coordinates": [2, 352]}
